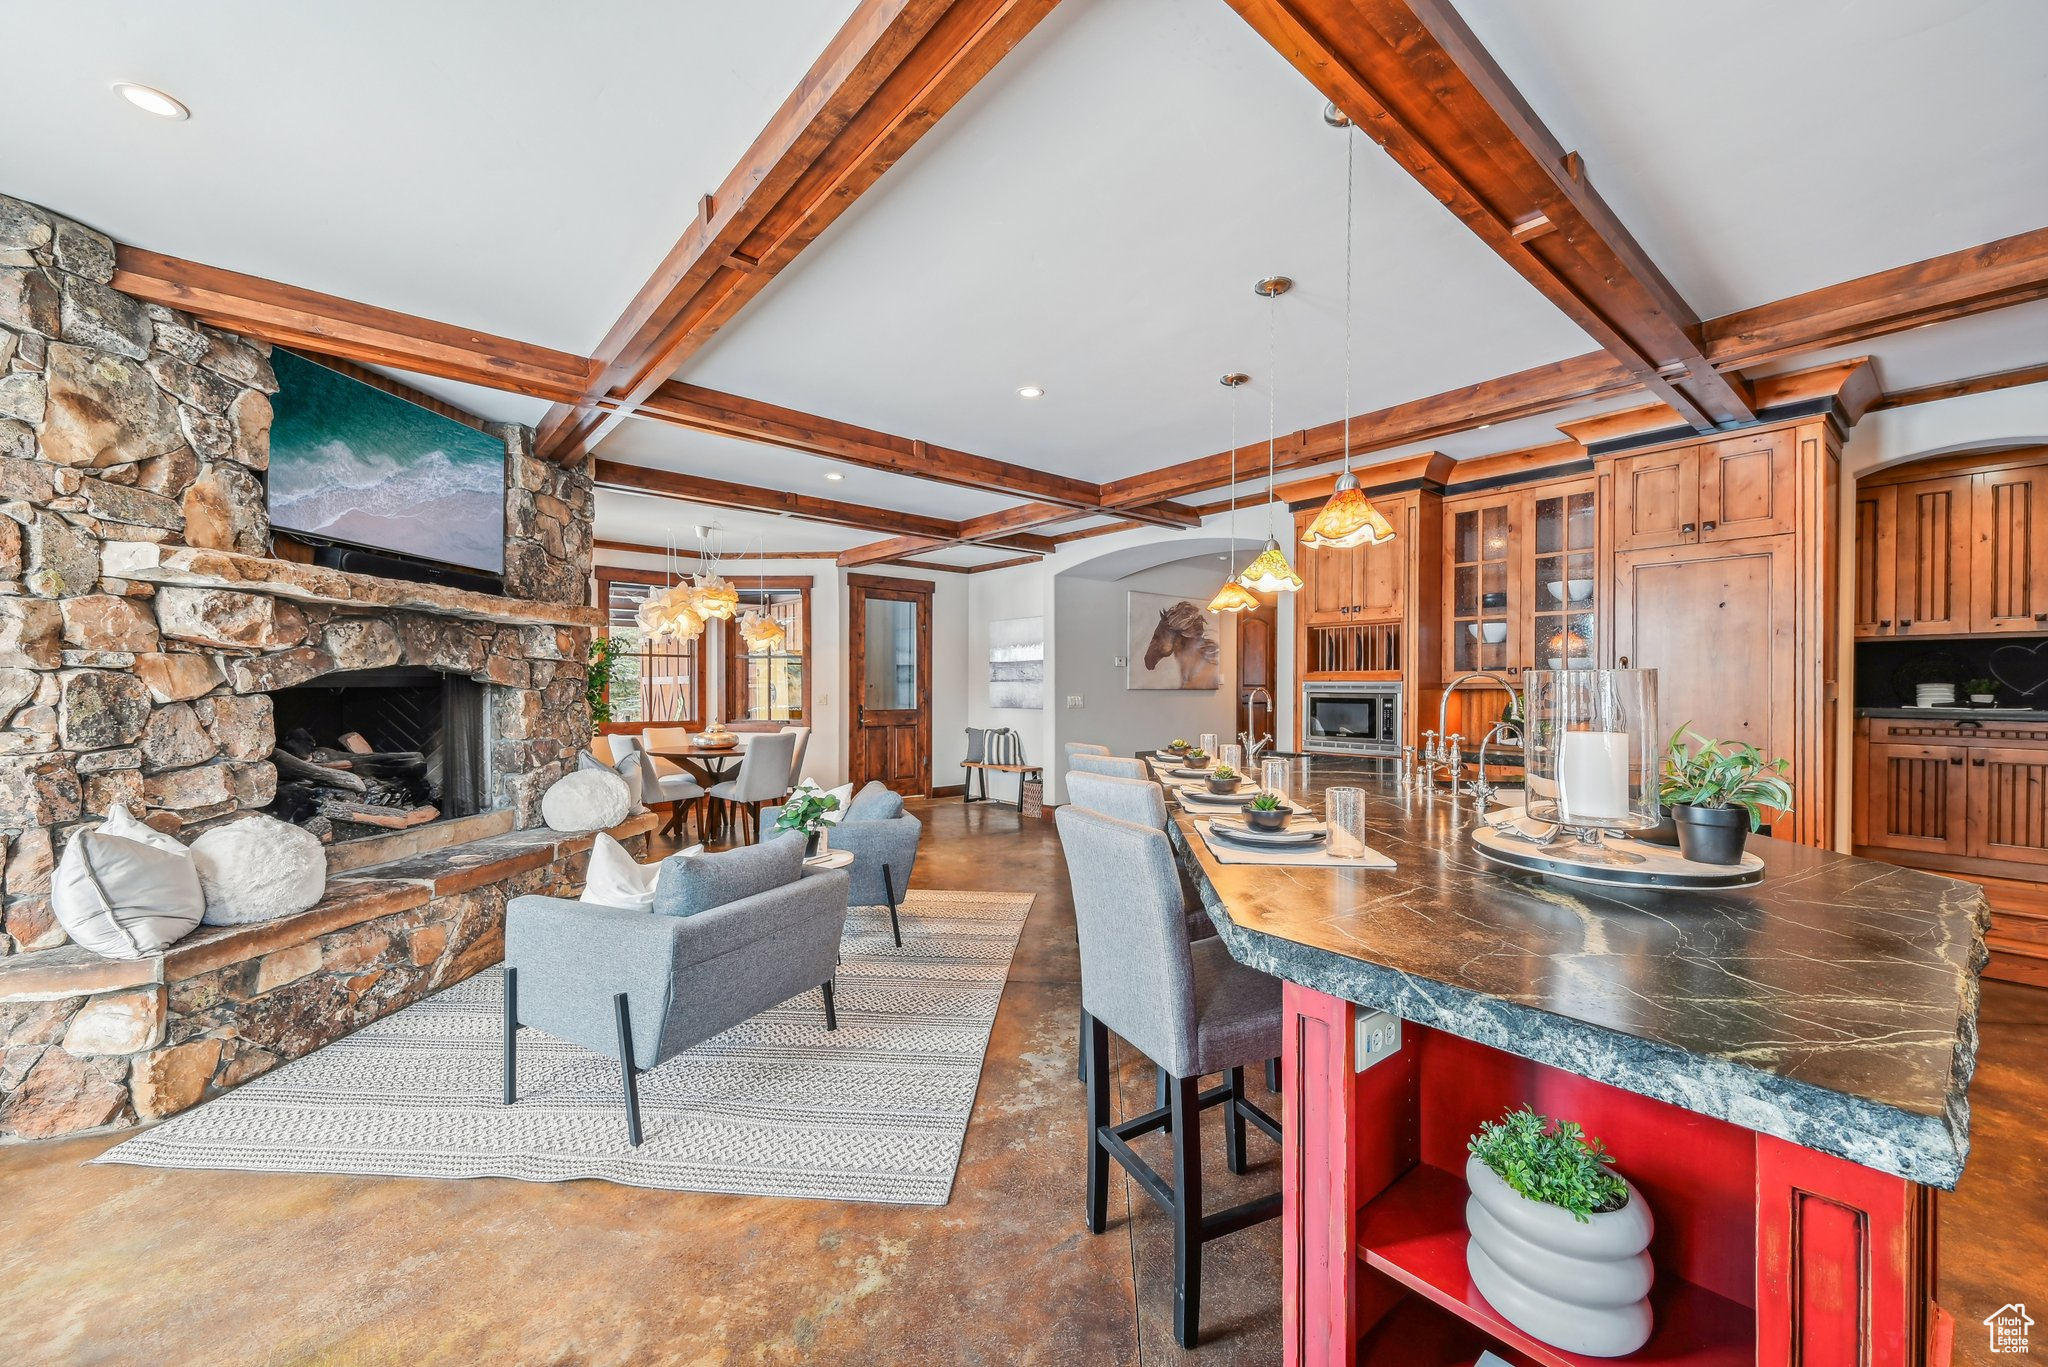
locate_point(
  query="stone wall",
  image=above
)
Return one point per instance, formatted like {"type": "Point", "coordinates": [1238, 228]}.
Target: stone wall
{"type": "Point", "coordinates": [122, 421]}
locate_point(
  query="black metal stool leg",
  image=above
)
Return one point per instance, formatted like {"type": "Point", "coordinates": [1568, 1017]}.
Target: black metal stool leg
{"type": "Point", "coordinates": [511, 1036]}
{"type": "Point", "coordinates": [1187, 1210]}
{"type": "Point", "coordinates": [1095, 1067]}
{"type": "Point", "coordinates": [889, 889]}
{"type": "Point", "coordinates": [1273, 1074]}
{"type": "Point", "coordinates": [627, 1071]}
{"type": "Point", "coordinates": [831, 1015]}
{"type": "Point", "coordinates": [1165, 1094]}
{"type": "Point", "coordinates": [1081, 1046]}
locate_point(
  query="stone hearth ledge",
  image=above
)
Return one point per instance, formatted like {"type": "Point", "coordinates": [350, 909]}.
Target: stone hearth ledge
{"type": "Point", "coordinates": [1834, 1005]}
{"type": "Point", "coordinates": [149, 563]}
{"type": "Point", "coordinates": [350, 900]}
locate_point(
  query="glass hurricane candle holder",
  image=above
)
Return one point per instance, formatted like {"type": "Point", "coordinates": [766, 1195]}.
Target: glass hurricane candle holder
{"type": "Point", "coordinates": [1273, 779]}
{"type": "Point", "coordinates": [1345, 816]}
{"type": "Point", "coordinates": [1206, 742]}
{"type": "Point", "coordinates": [1232, 755]}
{"type": "Point", "coordinates": [1592, 745]}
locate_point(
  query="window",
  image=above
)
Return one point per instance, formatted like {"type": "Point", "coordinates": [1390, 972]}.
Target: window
{"type": "Point", "coordinates": [770, 685]}
{"type": "Point", "coordinates": [653, 683]}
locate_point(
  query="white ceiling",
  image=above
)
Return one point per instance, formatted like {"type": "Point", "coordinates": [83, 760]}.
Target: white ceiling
{"type": "Point", "coordinates": [1759, 149]}
{"type": "Point", "coordinates": [1094, 224]}
{"type": "Point", "coordinates": [655, 521]}
{"type": "Point", "coordinates": [517, 166]}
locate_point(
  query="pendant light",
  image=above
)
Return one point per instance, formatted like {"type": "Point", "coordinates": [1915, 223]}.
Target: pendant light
{"type": "Point", "coordinates": [1269, 571]}
{"type": "Point", "coordinates": [761, 632]}
{"type": "Point", "coordinates": [713, 596]}
{"type": "Point", "coordinates": [1233, 596]}
{"type": "Point", "coordinates": [670, 613]}
{"type": "Point", "coordinates": [1348, 519]}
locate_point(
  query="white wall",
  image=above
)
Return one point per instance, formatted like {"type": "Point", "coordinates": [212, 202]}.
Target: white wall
{"type": "Point", "coordinates": [2005, 418]}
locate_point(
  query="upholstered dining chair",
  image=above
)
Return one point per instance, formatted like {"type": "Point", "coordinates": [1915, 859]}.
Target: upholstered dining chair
{"type": "Point", "coordinates": [763, 778]}
{"type": "Point", "coordinates": [803, 744]}
{"type": "Point", "coordinates": [1115, 766]}
{"type": "Point", "coordinates": [1083, 747]}
{"type": "Point", "coordinates": [666, 783]}
{"type": "Point", "coordinates": [727, 937]}
{"type": "Point", "coordinates": [1187, 1006]}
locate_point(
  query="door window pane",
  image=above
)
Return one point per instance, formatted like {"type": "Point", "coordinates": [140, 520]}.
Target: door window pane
{"type": "Point", "coordinates": [891, 649]}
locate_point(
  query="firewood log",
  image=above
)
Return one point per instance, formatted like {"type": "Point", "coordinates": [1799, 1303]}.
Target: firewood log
{"type": "Point", "coordinates": [290, 767]}
{"type": "Point", "coordinates": [353, 740]}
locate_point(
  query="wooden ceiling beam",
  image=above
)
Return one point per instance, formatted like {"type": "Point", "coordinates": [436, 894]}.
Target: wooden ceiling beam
{"type": "Point", "coordinates": [1957, 389]}
{"type": "Point", "coordinates": [890, 73]}
{"type": "Point", "coordinates": [641, 548]}
{"type": "Point", "coordinates": [350, 331]}
{"type": "Point", "coordinates": [1415, 79]}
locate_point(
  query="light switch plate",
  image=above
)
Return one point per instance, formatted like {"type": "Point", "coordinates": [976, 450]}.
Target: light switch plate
{"type": "Point", "coordinates": [1120, 661]}
{"type": "Point", "coordinates": [1379, 1037]}
{"type": "Point", "coordinates": [1073, 701]}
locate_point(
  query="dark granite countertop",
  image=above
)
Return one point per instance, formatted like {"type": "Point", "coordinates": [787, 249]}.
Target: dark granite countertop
{"type": "Point", "coordinates": [1833, 1005]}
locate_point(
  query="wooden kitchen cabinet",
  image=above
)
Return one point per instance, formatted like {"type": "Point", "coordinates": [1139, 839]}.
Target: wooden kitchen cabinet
{"type": "Point", "coordinates": [2008, 804]}
{"type": "Point", "coordinates": [1521, 578]}
{"type": "Point", "coordinates": [1876, 536]}
{"type": "Point", "coordinates": [2009, 550]}
{"type": "Point", "coordinates": [1915, 797]}
{"type": "Point", "coordinates": [1355, 584]}
{"type": "Point", "coordinates": [1723, 490]}
{"type": "Point", "coordinates": [1934, 557]}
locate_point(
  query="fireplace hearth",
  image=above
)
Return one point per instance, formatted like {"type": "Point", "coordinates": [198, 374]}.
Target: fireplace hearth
{"type": "Point", "coordinates": [366, 751]}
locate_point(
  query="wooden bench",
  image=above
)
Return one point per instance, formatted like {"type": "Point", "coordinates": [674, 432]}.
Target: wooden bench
{"type": "Point", "coordinates": [982, 767]}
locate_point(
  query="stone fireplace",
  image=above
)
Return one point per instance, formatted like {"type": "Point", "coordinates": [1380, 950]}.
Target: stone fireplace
{"type": "Point", "coordinates": [157, 650]}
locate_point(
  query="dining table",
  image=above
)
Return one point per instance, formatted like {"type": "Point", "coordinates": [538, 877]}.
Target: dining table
{"type": "Point", "coordinates": [708, 764]}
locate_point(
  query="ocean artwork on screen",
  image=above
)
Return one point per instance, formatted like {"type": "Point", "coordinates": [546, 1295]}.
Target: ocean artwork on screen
{"type": "Point", "coordinates": [351, 463]}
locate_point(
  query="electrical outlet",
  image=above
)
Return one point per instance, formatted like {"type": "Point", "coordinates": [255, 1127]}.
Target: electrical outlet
{"type": "Point", "coordinates": [1073, 702]}
{"type": "Point", "coordinates": [1120, 661]}
{"type": "Point", "coordinates": [1379, 1036]}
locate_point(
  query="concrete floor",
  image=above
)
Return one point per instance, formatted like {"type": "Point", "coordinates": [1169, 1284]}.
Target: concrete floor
{"type": "Point", "coordinates": [132, 1265]}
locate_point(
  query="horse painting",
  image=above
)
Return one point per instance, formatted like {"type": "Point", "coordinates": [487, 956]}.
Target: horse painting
{"type": "Point", "coordinates": [1182, 650]}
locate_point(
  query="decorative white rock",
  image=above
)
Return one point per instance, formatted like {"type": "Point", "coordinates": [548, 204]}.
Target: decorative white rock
{"type": "Point", "coordinates": [587, 800]}
{"type": "Point", "coordinates": [258, 869]}
{"type": "Point", "coordinates": [1582, 1287]}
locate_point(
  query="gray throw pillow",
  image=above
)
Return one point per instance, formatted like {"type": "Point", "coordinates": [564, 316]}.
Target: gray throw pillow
{"type": "Point", "coordinates": [688, 886]}
{"type": "Point", "coordinates": [875, 803]}
{"type": "Point", "coordinates": [629, 769]}
{"type": "Point", "coordinates": [123, 899]}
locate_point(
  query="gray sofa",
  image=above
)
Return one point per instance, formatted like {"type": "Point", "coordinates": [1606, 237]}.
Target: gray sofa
{"type": "Point", "coordinates": [729, 936]}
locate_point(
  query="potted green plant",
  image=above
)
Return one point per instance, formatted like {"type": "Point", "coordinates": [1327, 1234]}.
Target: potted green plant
{"type": "Point", "coordinates": [597, 681]}
{"type": "Point", "coordinates": [1717, 794]}
{"type": "Point", "coordinates": [1223, 779]}
{"type": "Point", "coordinates": [1195, 758]}
{"type": "Point", "coordinates": [1559, 1240]}
{"type": "Point", "coordinates": [1982, 692]}
{"type": "Point", "coordinates": [1178, 746]}
{"type": "Point", "coordinates": [1266, 812]}
{"type": "Point", "coordinates": [810, 810]}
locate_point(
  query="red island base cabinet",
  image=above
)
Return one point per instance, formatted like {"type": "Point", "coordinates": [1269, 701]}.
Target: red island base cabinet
{"type": "Point", "coordinates": [1767, 1254]}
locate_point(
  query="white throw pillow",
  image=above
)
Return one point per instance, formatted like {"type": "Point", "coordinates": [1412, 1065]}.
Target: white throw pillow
{"type": "Point", "coordinates": [616, 879]}
{"type": "Point", "coordinates": [258, 869]}
{"type": "Point", "coordinates": [119, 823]}
{"type": "Point", "coordinates": [844, 792]}
{"type": "Point", "coordinates": [628, 768]}
{"type": "Point", "coordinates": [586, 800]}
{"type": "Point", "coordinates": [125, 899]}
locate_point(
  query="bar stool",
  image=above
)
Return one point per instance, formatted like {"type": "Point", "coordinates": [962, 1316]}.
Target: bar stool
{"type": "Point", "coordinates": [1114, 766]}
{"type": "Point", "coordinates": [1187, 1006]}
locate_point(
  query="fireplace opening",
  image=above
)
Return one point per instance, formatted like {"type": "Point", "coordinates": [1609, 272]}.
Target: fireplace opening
{"type": "Point", "coordinates": [372, 750]}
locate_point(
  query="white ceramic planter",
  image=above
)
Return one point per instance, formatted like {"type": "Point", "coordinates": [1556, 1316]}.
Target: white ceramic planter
{"type": "Point", "coordinates": [1580, 1287]}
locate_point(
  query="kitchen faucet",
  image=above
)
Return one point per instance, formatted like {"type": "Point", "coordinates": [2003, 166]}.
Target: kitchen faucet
{"type": "Point", "coordinates": [1447, 752]}
{"type": "Point", "coordinates": [1253, 745]}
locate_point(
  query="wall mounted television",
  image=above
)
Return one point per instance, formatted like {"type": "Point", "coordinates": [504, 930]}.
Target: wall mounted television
{"type": "Point", "coordinates": [355, 466]}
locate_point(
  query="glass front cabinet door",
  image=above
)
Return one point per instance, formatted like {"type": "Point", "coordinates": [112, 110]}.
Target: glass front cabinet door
{"type": "Point", "coordinates": [1565, 583]}
{"type": "Point", "coordinates": [1523, 584]}
{"type": "Point", "coordinates": [1482, 591]}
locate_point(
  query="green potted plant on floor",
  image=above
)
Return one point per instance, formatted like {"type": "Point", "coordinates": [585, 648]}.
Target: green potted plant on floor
{"type": "Point", "coordinates": [810, 810]}
{"type": "Point", "coordinates": [1266, 812]}
{"type": "Point", "coordinates": [1223, 779]}
{"type": "Point", "coordinates": [1559, 1240]}
{"type": "Point", "coordinates": [1717, 792]}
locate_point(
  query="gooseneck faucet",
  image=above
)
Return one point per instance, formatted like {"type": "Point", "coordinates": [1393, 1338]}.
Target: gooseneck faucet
{"type": "Point", "coordinates": [1443, 750]}
{"type": "Point", "coordinates": [1254, 744]}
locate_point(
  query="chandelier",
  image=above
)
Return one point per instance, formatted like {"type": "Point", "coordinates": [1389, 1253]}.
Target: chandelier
{"type": "Point", "coordinates": [1269, 571]}
{"type": "Point", "coordinates": [1348, 519]}
{"type": "Point", "coordinates": [1233, 596]}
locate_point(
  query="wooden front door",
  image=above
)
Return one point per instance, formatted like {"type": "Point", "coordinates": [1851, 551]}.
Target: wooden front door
{"type": "Point", "coordinates": [889, 648]}
{"type": "Point", "coordinates": [1256, 664]}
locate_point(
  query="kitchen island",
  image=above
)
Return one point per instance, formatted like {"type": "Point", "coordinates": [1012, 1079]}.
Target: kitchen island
{"type": "Point", "coordinates": [1783, 1071]}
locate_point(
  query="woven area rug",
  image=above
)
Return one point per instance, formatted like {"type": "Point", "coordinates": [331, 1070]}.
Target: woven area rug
{"type": "Point", "coordinates": [779, 1106]}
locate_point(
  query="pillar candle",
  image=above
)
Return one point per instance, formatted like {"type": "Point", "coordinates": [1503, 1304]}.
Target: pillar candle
{"type": "Point", "coordinates": [1592, 775]}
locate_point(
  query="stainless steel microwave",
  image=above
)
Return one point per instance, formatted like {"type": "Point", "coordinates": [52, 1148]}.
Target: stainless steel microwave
{"type": "Point", "coordinates": [1351, 718]}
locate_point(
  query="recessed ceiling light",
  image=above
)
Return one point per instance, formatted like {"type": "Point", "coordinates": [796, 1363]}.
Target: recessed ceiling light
{"type": "Point", "coordinates": [1483, 426]}
{"type": "Point", "coordinates": [834, 474]}
{"type": "Point", "coordinates": [151, 100]}
{"type": "Point", "coordinates": [1030, 391]}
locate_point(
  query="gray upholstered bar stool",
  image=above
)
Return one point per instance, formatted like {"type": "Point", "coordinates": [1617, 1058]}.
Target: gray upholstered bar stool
{"type": "Point", "coordinates": [1114, 766]}
{"type": "Point", "coordinates": [1186, 1005]}
{"type": "Point", "coordinates": [1084, 747]}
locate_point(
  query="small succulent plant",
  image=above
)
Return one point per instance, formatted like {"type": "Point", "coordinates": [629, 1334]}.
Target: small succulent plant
{"type": "Point", "coordinates": [1177, 744]}
{"type": "Point", "coordinates": [1552, 1161]}
{"type": "Point", "coordinates": [1724, 774]}
{"type": "Point", "coordinates": [1197, 753]}
{"type": "Point", "coordinates": [1266, 802]}
{"type": "Point", "coordinates": [1223, 773]}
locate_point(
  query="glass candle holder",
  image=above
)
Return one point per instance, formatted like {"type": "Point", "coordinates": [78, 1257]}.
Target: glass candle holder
{"type": "Point", "coordinates": [1345, 815]}
{"type": "Point", "coordinates": [1592, 745]}
{"type": "Point", "coordinates": [1273, 779]}
{"type": "Point", "coordinates": [1232, 755]}
{"type": "Point", "coordinates": [1206, 742]}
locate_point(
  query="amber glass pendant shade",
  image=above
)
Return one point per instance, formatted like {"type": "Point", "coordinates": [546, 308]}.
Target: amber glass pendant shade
{"type": "Point", "coordinates": [1348, 519]}
{"type": "Point", "coordinates": [1270, 572]}
{"type": "Point", "coordinates": [1232, 597]}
